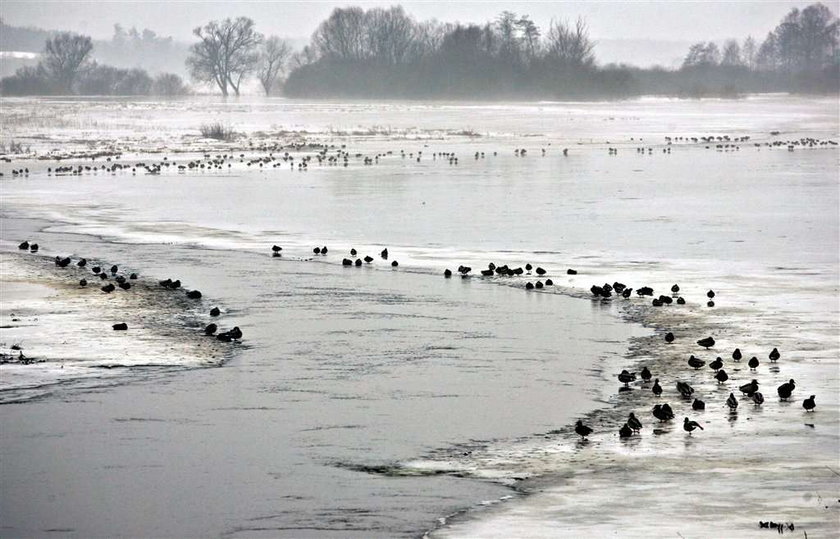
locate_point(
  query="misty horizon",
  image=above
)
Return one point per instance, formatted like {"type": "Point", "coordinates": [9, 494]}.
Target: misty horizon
{"type": "Point", "coordinates": [642, 34]}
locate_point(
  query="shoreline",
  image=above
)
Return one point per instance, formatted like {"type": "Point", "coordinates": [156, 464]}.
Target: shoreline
{"type": "Point", "coordinates": [65, 331]}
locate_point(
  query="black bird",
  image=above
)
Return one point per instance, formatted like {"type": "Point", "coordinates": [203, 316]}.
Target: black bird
{"type": "Point", "coordinates": [661, 413]}
{"type": "Point", "coordinates": [732, 402]}
{"type": "Point", "coordinates": [194, 294]}
{"type": "Point", "coordinates": [626, 292]}
{"type": "Point", "coordinates": [717, 364]}
{"type": "Point", "coordinates": [749, 389]}
{"type": "Point", "coordinates": [529, 286]}
{"type": "Point", "coordinates": [710, 303]}
{"type": "Point", "coordinates": [346, 262]}
{"type": "Point", "coordinates": [656, 389]}
{"type": "Point", "coordinates": [626, 377]}
{"type": "Point", "coordinates": [352, 252]}
{"type": "Point", "coordinates": [120, 279]}
{"type": "Point", "coordinates": [698, 405]}
{"type": "Point", "coordinates": [368, 259]}
{"type": "Point", "coordinates": [276, 248]}
{"type": "Point", "coordinates": [215, 311]}
{"type": "Point", "coordinates": [120, 327]}
{"type": "Point", "coordinates": [538, 284]}
{"type": "Point", "coordinates": [96, 269]}
{"type": "Point", "coordinates": [646, 375]}
{"type": "Point", "coordinates": [721, 376]}
{"type": "Point", "coordinates": [384, 253]}
{"type": "Point", "coordinates": [83, 282]}
{"type": "Point", "coordinates": [540, 271]}
{"type": "Point", "coordinates": [103, 276]}
{"type": "Point", "coordinates": [124, 285]}
{"type": "Point", "coordinates": [236, 333]}
{"type": "Point", "coordinates": [133, 276]}
{"type": "Point", "coordinates": [582, 430]}
{"type": "Point", "coordinates": [786, 389]}
{"type": "Point", "coordinates": [625, 431]}
{"type": "Point", "coordinates": [809, 404]}
{"type": "Point", "coordinates": [33, 248]}
{"type": "Point", "coordinates": [669, 337]}
{"type": "Point", "coordinates": [487, 272]}
{"type": "Point", "coordinates": [62, 262]}
{"type": "Point", "coordinates": [758, 398]}
{"type": "Point", "coordinates": [316, 250]}
{"type": "Point", "coordinates": [528, 267]}
{"type": "Point", "coordinates": [619, 287]}
{"type": "Point", "coordinates": [690, 426]}
{"type": "Point", "coordinates": [684, 389]}
{"type": "Point", "coordinates": [736, 355]}
{"type": "Point", "coordinates": [695, 362]}
{"type": "Point", "coordinates": [571, 272]}
{"type": "Point", "coordinates": [82, 262]}
{"type": "Point", "coordinates": [175, 284]}
{"type": "Point", "coordinates": [210, 329]}
{"type": "Point", "coordinates": [645, 291]}
{"type": "Point", "coordinates": [549, 282]}
{"type": "Point", "coordinates": [224, 337]}
{"type": "Point", "coordinates": [675, 289]}
{"type": "Point", "coordinates": [710, 294]}
{"type": "Point", "coordinates": [114, 270]}
{"type": "Point", "coordinates": [394, 264]}
{"type": "Point", "coordinates": [706, 343]}
{"type": "Point", "coordinates": [24, 246]}
{"type": "Point", "coordinates": [447, 273]}
{"type": "Point", "coordinates": [358, 262]}
{"type": "Point", "coordinates": [680, 301]}
{"type": "Point", "coordinates": [108, 288]}
{"type": "Point", "coordinates": [634, 423]}
{"type": "Point", "coordinates": [774, 355]}
{"type": "Point", "coordinates": [324, 250]}
{"type": "Point", "coordinates": [753, 363]}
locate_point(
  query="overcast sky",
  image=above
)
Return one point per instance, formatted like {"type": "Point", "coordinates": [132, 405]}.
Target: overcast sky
{"type": "Point", "coordinates": [628, 19]}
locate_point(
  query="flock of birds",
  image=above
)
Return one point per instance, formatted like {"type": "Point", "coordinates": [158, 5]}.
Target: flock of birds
{"type": "Point", "coordinates": [122, 281]}
{"type": "Point", "coordinates": [663, 412]}
{"type": "Point", "coordinates": [278, 155]}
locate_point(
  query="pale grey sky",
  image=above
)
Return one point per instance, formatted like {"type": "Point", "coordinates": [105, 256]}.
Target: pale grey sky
{"type": "Point", "coordinates": [678, 20]}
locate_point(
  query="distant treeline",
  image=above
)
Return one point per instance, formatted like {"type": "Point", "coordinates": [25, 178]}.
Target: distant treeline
{"type": "Point", "coordinates": [386, 53]}
{"type": "Point", "coordinates": [66, 68]}
{"type": "Point", "coordinates": [127, 48]}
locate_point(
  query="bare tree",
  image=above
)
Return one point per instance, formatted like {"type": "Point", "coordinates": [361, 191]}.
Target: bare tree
{"type": "Point", "coordinates": [731, 54]}
{"type": "Point", "coordinates": [748, 52]}
{"type": "Point", "coordinates": [303, 57]}
{"type": "Point", "coordinates": [342, 35]}
{"type": "Point", "coordinates": [65, 56]}
{"type": "Point", "coordinates": [390, 35]}
{"type": "Point", "coordinates": [530, 37]}
{"type": "Point", "coordinates": [226, 53]}
{"type": "Point", "coordinates": [272, 61]}
{"type": "Point", "coordinates": [570, 46]}
{"type": "Point", "coordinates": [507, 28]}
{"type": "Point", "coordinates": [702, 54]}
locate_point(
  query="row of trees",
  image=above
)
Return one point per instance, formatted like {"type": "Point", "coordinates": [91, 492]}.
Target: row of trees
{"type": "Point", "coordinates": [66, 68]}
{"type": "Point", "coordinates": [385, 52]}
{"type": "Point", "coordinates": [805, 41]}
{"type": "Point", "coordinates": [229, 51]}
{"type": "Point", "coordinates": [800, 54]}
